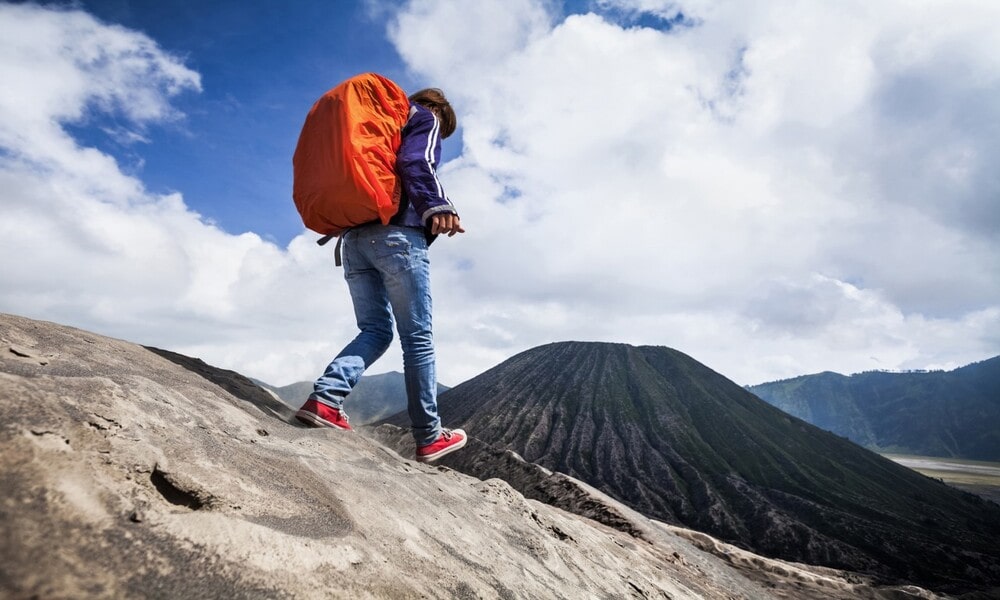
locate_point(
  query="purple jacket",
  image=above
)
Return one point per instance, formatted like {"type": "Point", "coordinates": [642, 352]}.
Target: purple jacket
{"type": "Point", "coordinates": [416, 165]}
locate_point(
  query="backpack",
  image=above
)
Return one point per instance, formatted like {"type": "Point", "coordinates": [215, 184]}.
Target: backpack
{"type": "Point", "coordinates": [344, 166]}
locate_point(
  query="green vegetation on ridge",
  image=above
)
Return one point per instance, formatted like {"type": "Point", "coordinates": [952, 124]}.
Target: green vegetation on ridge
{"type": "Point", "coordinates": [952, 414]}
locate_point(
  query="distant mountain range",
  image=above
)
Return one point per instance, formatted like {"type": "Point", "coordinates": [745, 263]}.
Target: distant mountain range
{"type": "Point", "coordinates": [954, 414]}
{"type": "Point", "coordinates": [373, 399]}
{"type": "Point", "coordinates": [667, 436]}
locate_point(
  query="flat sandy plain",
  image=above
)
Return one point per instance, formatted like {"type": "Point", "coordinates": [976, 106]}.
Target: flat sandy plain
{"type": "Point", "coordinates": [976, 476]}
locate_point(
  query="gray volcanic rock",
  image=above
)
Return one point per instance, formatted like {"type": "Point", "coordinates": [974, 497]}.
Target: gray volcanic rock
{"type": "Point", "coordinates": [782, 579]}
{"type": "Point", "coordinates": [670, 438]}
{"type": "Point", "coordinates": [132, 473]}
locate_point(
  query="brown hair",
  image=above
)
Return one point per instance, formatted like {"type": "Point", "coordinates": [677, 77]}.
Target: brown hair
{"type": "Point", "coordinates": [434, 99]}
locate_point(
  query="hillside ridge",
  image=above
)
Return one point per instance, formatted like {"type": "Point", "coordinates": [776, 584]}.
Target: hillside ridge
{"type": "Point", "coordinates": [667, 436]}
{"type": "Point", "coordinates": [948, 414]}
{"type": "Point", "coordinates": [129, 472]}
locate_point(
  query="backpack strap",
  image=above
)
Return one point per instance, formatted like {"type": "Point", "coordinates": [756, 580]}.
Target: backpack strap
{"type": "Point", "coordinates": [336, 249]}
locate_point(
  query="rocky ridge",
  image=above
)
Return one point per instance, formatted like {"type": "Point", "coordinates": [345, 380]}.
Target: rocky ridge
{"type": "Point", "coordinates": [952, 414]}
{"type": "Point", "coordinates": [667, 436]}
{"type": "Point", "coordinates": [133, 473]}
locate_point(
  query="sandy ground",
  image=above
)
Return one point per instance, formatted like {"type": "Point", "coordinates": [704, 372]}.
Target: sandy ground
{"type": "Point", "coordinates": [977, 477]}
{"type": "Point", "coordinates": [132, 473]}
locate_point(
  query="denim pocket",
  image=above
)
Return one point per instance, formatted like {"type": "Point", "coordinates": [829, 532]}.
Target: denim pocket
{"type": "Point", "coordinates": [392, 254]}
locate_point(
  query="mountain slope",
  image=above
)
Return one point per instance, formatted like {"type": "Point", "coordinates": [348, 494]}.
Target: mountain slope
{"type": "Point", "coordinates": [667, 436]}
{"type": "Point", "coordinates": [129, 472]}
{"type": "Point", "coordinates": [952, 414]}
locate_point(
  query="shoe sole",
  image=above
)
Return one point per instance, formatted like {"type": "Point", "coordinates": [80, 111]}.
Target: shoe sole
{"type": "Point", "coordinates": [432, 457]}
{"type": "Point", "coordinates": [310, 419]}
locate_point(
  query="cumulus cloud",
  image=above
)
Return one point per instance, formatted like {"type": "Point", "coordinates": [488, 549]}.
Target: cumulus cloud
{"type": "Point", "coordinates": [775, 189]}
{"type": "Point", "coordinates": [85, 244]}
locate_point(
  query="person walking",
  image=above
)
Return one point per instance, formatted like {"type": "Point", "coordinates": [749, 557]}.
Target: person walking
{"type": "Point", "coordinates": [387, 269]}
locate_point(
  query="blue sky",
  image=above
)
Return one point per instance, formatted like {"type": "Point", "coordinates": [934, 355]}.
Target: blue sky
{"type": "Point", "coordinates": [262, 65]}
{"type": "Point", "coordinates": [774, 188]}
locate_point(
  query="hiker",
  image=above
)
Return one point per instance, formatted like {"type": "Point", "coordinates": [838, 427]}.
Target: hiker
{"type": "Point", "coordinates": [388, 274]}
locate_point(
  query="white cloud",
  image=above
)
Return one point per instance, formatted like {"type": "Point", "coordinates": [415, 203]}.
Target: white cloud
{"type": "Point", "coordinates": [759, 189]}
{"type": "Point", "coordinates": [773, 189]}
{"type": "Point", "coordinates": [85, 244]}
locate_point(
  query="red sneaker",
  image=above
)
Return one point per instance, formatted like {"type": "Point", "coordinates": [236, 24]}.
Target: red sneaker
{"type": "Point", "coordinates": [318, 414]}
{"type": "Point", "coordinates": [449, 441]}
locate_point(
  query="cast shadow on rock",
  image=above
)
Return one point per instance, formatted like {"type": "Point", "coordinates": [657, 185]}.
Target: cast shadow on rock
{"type": "Point", "coordinates": [234, 383]}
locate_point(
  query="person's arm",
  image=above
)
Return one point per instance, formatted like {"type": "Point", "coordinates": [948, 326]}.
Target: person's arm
{"type": "Point", "coordinates": [419, 154]}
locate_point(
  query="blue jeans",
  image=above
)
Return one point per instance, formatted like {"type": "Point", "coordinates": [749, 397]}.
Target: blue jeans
{"type": "Point", "coordinates": [388, 273]}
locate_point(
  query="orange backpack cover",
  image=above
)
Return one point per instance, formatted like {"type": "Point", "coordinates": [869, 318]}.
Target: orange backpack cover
{"type": "Point", "coordinates": [344, 164]}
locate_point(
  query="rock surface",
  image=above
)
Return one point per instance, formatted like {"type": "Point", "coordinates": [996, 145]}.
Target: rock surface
{"type": "Point", "coordinates": [674, 440]}
{"type": "Point", "coordinates": [129, 472]}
